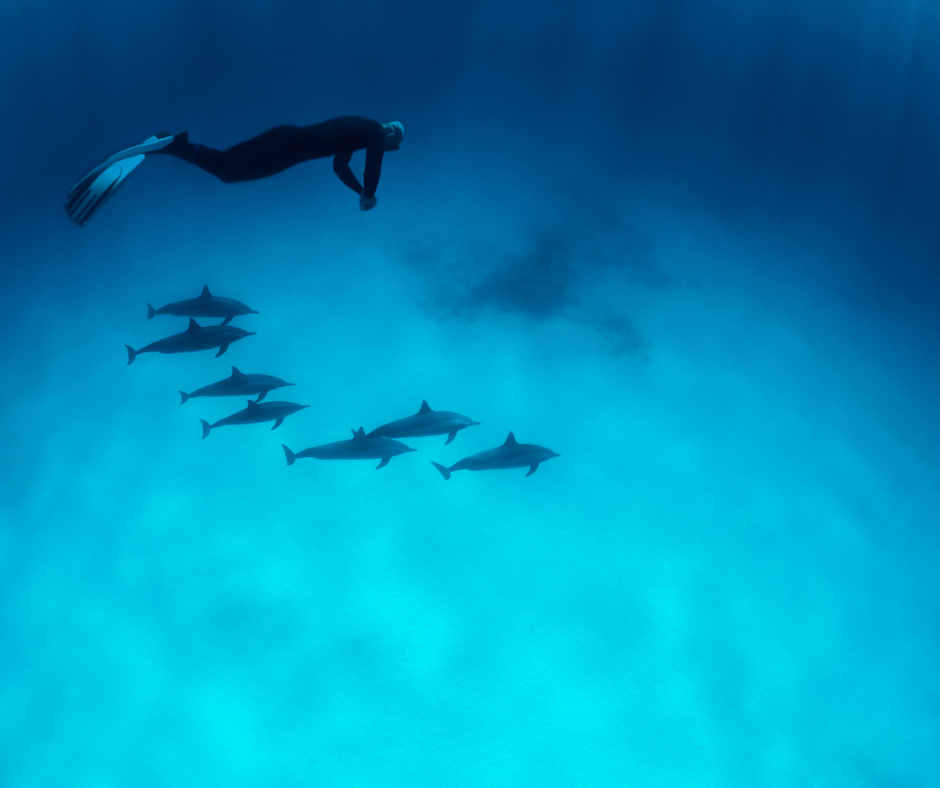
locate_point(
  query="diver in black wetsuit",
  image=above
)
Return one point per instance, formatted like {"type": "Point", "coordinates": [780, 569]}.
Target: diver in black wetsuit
{"type": "Point", "coordinates": [284, 146]}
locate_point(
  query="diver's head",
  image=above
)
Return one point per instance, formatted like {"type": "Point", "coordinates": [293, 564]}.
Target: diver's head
{"type": "Point", "coordinates": [394, 134]}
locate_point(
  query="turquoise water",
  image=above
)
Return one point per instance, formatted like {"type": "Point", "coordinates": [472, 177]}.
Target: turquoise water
{"type": "Point", "coordinates": [690, 247]}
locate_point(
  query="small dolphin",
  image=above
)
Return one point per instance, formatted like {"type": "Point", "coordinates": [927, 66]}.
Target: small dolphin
{"type": "Point", "coordinates": [207, 305]}
{"type": "Point", "coordinates": [195, 337]}
{"type": "Point", "coordinates": [238, 384]}
{"type": "Point", "coordinates": [359, 447]}
{"type": "Point", "coordinates": [509, 455]}
{"type": "Point", "coordinates": [425, 422]}
{"type": "Point", "coordinates": [255, 413]}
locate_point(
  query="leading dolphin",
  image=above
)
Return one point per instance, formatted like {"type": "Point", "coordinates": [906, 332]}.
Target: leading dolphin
{"type": "Point", "coordinates": [425, 422]}
{"type": "Point", "coordinates": [195, 337]}
{"type": "Point", "coordinates": [359, 447]}
{"type": "Point", "coordinates": [238, 384]}
{"type": "Point", "coordinates": [206, 305]}
{"type": "Point", "coordinates": [256, 413]}
{"type": "Point", "coordinates": [509, 455]}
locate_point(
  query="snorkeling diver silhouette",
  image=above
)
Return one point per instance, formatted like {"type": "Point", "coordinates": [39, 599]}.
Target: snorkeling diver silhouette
{"type": "Point", "coordinates": [259, 157]}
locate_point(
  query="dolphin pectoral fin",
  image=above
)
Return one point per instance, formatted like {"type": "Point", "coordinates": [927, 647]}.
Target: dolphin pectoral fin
{"type": "Point", "coordinates": [450, 437]}
{"type": "Point", "coordinates": [383, 463]}
{"type": "Point", "coordinates": [205, 428]}
{"type": "Point", "coordinates": [226, 321]}
{"type": "Point", "coordinates": [277, 423]}
{"type": "Point", "coordinates": [221, 350]}
{"type": "Point", "coordinates": [532, 470]}
{"type": "Point", "coordinates": [261, 396]}
{"type": "Point", "coordinates": [289, 454]}
{"type": "Point", "coordinates": [131, 354]}
{"type": "Point", "coordinates": [444, 472]}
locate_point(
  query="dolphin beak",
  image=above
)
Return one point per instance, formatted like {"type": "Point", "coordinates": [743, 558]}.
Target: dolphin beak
{"type": "Point", "coordinates": [290, 384]}
{"type": "Point", "coordinates": [474, 424]}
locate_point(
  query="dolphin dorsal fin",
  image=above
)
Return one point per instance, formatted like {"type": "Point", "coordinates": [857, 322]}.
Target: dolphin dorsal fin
{"type": "Point", "coordinates": [425, 408]}
{"type": "Point", "coordinates": [205, 292]}
{"type": "Point", "coordinates": [357, 434]}
{"type": "Point", "coordinates": [511, 440]}
{"type": "Point", "coordinates": [236, 373]}
{"type": "Point", "coordinates": [252, 404]}
{"type": "Point", "coordinates": [193, 325]}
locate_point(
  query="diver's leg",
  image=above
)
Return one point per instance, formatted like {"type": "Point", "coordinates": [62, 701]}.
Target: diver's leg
{"type": "Point", "coordinates": [267, 154]}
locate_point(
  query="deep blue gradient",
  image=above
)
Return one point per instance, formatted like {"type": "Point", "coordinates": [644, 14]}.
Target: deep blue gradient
{"type": "Point", "coordinates": [690, 246]}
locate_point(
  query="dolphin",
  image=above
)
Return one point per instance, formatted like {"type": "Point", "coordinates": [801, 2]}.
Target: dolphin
{"type": "Point", "coordinates": [195, 337]}
{"type": "Point", "coordinates": [425, 422]}
{"type": "Point", "coordinates": [238, 384]}
{"type": "Point", "coordinates": [207, 305]}
{"type": "Point", "coordinates": [255, 413]}
{"type": "Point", "coordinates": [509, 455]}
{"type": "Point", "coordinates": [359, 447]}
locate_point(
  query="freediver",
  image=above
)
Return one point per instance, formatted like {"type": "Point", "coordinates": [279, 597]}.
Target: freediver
{"type": "Point", "coordinates": [259, 157]}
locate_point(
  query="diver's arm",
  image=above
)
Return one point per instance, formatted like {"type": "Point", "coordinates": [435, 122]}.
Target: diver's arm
{"type": "Point", "coordinates": [374, 153]}
{"type": "Point", "coordinates": [341, 168]}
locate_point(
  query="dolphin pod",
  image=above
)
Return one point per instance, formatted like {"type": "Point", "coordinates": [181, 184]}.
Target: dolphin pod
{"type": "Point", "coordinates": [380, 443]}
{"type": "Point", "coordinates": [206, 305]}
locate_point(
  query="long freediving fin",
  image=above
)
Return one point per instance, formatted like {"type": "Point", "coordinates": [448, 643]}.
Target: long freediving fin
{"type": "Point", "coordinates": [99, 183]}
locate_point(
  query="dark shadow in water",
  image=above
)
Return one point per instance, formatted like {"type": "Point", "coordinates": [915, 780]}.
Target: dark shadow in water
{"type": "Point", "coordinates": [552, 279]}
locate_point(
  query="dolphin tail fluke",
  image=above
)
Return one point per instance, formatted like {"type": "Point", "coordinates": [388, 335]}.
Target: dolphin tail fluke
{"type": "Point", "coordinates": [131, 354]}
{"type": "Point", "coordinates": [150, 312]}
{"type": "Point", "coordinates": [444, 472]}
{"type": "Point", "coordinates": [450, 437]}
{"type": "Point", "coordinates": [185, 397]}
{"type": "Point", "coordinates": [205, 428]}
{"type": "Point", "coordinates": [532, 470]}
{"type": "Point", "coordinates": [278, 423]}
{"type": "Point", "coordinates": [383, 463]}
{"type": "Point", "coordinates": [289, 454]}
{"type": "Point", "coordinates": [221, 350]}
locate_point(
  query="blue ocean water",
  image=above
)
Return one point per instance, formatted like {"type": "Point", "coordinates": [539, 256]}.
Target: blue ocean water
{"type": "Point", "coordinates": [690, 246]}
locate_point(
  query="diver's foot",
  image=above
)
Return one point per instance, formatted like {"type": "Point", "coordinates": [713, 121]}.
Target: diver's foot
{"type": "Point", "coordinates": [180, 146]}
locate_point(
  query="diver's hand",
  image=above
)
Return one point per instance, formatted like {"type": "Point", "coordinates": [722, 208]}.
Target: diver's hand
{"type": "Point", "coordinates": [367, 203]}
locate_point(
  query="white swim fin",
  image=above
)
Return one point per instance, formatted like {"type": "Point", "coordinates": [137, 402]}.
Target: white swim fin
{"type": "Point", "coordinates": [94, 189]}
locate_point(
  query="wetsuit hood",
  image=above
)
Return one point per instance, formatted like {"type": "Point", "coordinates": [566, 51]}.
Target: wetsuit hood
{"type": "Point", "coordinates": [394, 134]}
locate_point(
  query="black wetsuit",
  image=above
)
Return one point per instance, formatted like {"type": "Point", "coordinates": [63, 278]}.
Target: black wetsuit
{"type": "Point", "coordinates": [284, 146]}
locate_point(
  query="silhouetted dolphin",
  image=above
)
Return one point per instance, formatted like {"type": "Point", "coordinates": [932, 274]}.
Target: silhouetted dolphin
{"type": "Point", "coordinates": [425, 422]}
{"type": "Point", "coordinates": [195, 337]}
{"type": "Point", "coordinates": [509, 455]}
{"type": "Point", "coordinates": [207, 305]}
{"type": "Point", "coordinates": [238, 384]}
{"type": "Point", "coordinates": [359, 447]}
{"type": "Point", "coordinates": [256, 413]}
